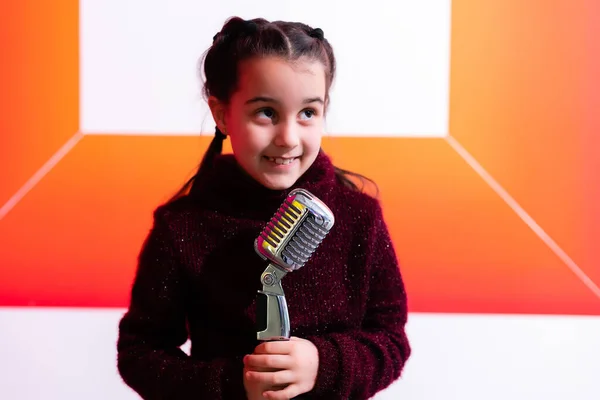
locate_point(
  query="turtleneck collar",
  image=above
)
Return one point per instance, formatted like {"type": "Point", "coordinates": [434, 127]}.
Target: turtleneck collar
{"type": "Point", "coordinates": [227, 188]}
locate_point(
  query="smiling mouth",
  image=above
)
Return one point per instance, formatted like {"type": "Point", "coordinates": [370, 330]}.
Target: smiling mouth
{"type": "Point", "coordinates": [281, 160]}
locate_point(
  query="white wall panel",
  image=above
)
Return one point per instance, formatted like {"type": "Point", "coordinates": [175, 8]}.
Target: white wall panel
{"type": "Point", "coordinates": [139, 58]}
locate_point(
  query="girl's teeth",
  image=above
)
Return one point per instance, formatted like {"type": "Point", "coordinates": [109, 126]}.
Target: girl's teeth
{"type": "Point", "coordinates": [281, 161]}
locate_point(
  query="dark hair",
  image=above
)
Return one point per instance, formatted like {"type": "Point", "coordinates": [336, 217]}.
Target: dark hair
{"type": "Point", "coordinates": [241, 40]}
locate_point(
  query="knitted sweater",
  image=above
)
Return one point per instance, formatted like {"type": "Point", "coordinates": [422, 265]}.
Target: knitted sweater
{"type": "Point", "coordinates": [198, 275]}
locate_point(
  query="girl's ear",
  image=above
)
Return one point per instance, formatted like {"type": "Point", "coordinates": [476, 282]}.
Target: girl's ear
{"type": "Point", "coordinates": [218, 108]}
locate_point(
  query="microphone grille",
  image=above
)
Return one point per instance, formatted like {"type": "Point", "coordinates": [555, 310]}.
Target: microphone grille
{"type": "Point", "coordinates": [283, 222]}
{"type": "Point", "coordinates": [295, 231]}
{"type": "Point", "coordinates": [304, 242]}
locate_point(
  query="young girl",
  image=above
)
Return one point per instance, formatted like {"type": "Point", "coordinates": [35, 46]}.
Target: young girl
{"type": "Point", "coordinates": [267, 85]}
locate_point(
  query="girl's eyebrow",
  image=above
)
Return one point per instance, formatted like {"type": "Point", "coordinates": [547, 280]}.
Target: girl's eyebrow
{"type": "Point", "coordinates": [272, 100]}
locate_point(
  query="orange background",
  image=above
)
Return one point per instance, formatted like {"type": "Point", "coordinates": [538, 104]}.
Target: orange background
{"type": "Point", "coordinates": [524, 98]}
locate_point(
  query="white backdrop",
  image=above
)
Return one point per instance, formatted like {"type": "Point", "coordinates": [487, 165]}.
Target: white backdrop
{"type": "Point", "coordinates": [139, 75]}
{"type": "Point", "coordinates": [70, 354]}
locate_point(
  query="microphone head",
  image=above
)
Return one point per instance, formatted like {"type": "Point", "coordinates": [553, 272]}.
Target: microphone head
{"type": "Point", "coordinates": [295, 231]}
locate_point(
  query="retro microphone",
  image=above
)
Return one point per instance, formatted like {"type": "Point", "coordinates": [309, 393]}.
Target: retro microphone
{"type": "Point", "coordinates": [289, 239]}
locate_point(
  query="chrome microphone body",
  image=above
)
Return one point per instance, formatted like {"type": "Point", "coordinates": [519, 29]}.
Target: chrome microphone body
{"type": "Point", "coordinates": [290, 238]}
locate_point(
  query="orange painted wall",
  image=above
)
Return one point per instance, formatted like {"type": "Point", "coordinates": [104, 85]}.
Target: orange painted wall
{"type": "Point", "coordinates": [524, 95]}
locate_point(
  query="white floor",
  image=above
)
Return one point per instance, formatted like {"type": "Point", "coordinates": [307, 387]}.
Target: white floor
{"type": "Point", "coordinates": [70, 354]}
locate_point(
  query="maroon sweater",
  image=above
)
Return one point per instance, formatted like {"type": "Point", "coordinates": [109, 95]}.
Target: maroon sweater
{"type": "Point", "coordinates": [198, 275]}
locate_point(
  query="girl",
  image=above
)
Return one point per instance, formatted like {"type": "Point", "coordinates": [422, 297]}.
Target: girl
{"type": "Point", "coordinates": [267, 85]}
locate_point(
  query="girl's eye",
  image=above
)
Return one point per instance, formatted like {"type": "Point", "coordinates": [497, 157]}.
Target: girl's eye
{"type": "Point", "coordinates": [308, 113]}
{"type": "Point", "coordinates": [267, 112]}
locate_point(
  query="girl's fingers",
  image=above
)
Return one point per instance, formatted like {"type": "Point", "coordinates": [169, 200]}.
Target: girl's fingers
{"type": "Point", "coordinates": [257, 362]}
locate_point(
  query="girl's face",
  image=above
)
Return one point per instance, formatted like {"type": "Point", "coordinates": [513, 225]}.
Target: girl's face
{"type": "Point", "coordinates": [275, 118]}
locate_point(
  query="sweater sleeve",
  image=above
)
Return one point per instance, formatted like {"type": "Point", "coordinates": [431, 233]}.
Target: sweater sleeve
{"type": "Point", "coordinates": [359, 363]}
{"type": "Point", "coordinates": [152, 330]}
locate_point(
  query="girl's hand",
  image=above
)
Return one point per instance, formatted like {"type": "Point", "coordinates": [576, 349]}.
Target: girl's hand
{"type": "Point", "coordinates": [254, 388]}
{"type": "Point", "coordinates": [283, 369]}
